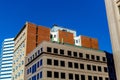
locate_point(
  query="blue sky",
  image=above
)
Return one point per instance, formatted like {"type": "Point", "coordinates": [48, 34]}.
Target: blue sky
{"type": "Point", "coordinates": [87, 17]}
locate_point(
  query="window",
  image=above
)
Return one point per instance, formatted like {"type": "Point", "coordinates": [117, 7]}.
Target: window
{"type": "Point", "coordinates": [62, 75]}
{"type": "Point", "coordinates": [41, 62]}
{"type": "Point", "coordinates": [87, 56]}
{"type": "Point", "coordinates": [105, 69]}
{"type": "Point", "coordinates": [62, 63]}
{"type": "Point", "coordinates": [38, 64]}
{"type": "Point", "coordinates": [92, 57]}
{"type": "Point", "coordinates": [56, 63]}
{"type": "Point", "coordinates": [98, 58]}
{"type": "Point", "coordinates": [71, 76]}
{"type": "Point", "coordinates": [38, 52]}
{"type": "Point", "coordinates": [95, 77]}
{"type": "Point", "coordinates": [100, 78]}
{"type": "Point", "coordinates": [37, 76]}
{"type": "Point", "coordinates": [80, 55]}
{"type": "Point", "coordinates": [55, 50]}
{"type": "Point", "coordinates": [49, 74]}
{"type": "Point", "coordinates": [104, 59]}
{"type": "Point", "coordinates": [89, 77]}
{"type": "Point", "coordinates": [75, 54]}
{"type": "Point", "coordinates": [88, 67]}
{"type": "Point", "coordinates": [70, 65]}
{"type": "Point", "coordinates": [34, 68]}
{"type": "Point", "coordinates": [99, 68]}
{"type": "Point", "coordinates": [69, 53]}
{"type": "Point", "coordinates": [61, 51]}
{"type": "Point", "coordinates": [76, 65]}
{"type": "Point", "coordinates": [81, 66]}
{"type": "Point", "coordinates": [76, 76]}
{"type": "Point", "coordinates": [82, 77]}
{"type": "Point", "coordinates": [56, 75]}
{"type": "Point", "coordinates": [49, 62]}
{"type": "Point", "coordinates": [49, 49]}
{"type": "Point", "coordinates": [94, 68]}
{"type": "Point", "coordinates": [34, 77]}
{"type": "Point", "coordinates": [106, 79]}
{"type": "Point", "coordinates": [41, 74]}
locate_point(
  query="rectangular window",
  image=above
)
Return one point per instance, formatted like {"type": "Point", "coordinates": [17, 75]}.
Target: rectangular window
{"type": "Point", "coordinates": [34, 77]}
{"type": "Point", "coordinates": [76, 65]}
{"type": "Point", "coordinates": [41, 74]}
{"type": "Point", "coordinates": [88, 67]}
{"type": "Point", "coordinates": [75, 54]}
{"type": "Point", "coordinates": [69, 53]}
{"type": "Point", "coordinates": [49, 74]}
{"type": "Point", "coordinates": [98, 58]}
{"type": "Point", "coordinates": [34, 68]}
{"type": "Point", "coordinates": [77, 77]}
{"type": "Point", "coordinates": [56, 75]}
{"type": "Point", "coordinates": [89, 77]}
{"type": "Point", "coordinates": [70, 76]}
{"type": "Point", "coordinates": [100, 78]}
{"type": "Point", "coordinates": [61, 51]}
{"type": "Point", "coordinates": [94, 68]}
{"type": "Point", "coordinates": [49, 62]}
{"type": "Point", "coordinates": [55, 50]}
{"type": "Point", "coordinates": [106, 79]}
{"type": "Point", "coordinates": [49, 49]}
{"type": "Point", "coordinates": [99, 68]}
{"type": "Point", "coordinates": [104, 59]}
{"type": "Point", "coordinates": [82, 77]}
{"type": "Point", "coordinates": [92, 57]}
{"type": "Point", "coordinates": [80, 55]}
{"type": "Point", "coordinates": [62, 63]}
{"type": "Point", "coordinates": [41, 62]}
{"type": "Point", "coordinates": [81, 66]}
{"type": "Point", "coordinates": [87, 56]}
{"type": "Point", "coordinates": [62, 75]}
{"type": "Point", "coordinates": [38, 64]}
{"type": "Point", "coordinates": [105, 69]}
{"type": "Point", "coordinates": [95, 78]}
{"type": "Point", "coordinates": [70, 65]}
{"type": "Point", "coordinates": [56, 63]}
{"type": "Point", "coordinates": [37, 76]}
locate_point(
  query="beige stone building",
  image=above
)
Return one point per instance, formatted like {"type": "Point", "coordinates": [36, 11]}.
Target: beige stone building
{"type": "Point", "coordinates": [58, 61]}
{"type": "Point", "coordinates": [113, 14]}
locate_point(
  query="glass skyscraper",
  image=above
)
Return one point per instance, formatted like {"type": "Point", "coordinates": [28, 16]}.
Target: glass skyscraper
{"type": "Point", "coordinates": [6, 59]}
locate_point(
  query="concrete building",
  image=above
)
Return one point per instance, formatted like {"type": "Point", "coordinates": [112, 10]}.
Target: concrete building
{"type": "Point", "coordinates": [113, 14]}
{"type": "Point", "coordinates": [7, 59]}
{"type": "Point", "coordinates": [57, 61]}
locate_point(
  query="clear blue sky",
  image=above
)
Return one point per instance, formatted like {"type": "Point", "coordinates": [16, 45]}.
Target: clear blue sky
{"type": "Point", "coordinates": [87, 17]}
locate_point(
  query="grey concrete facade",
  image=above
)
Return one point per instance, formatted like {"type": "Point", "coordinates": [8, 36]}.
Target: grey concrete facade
{"type": "Point", "coordinates": [113, 14]}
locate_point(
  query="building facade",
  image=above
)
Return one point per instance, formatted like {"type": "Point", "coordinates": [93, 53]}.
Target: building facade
{"type": "Point", "coordinates": [57, 61]}
{"type": "Point", "coordinates": [7, 59]}
{"type": "Point", "coordinates": [113, 14]}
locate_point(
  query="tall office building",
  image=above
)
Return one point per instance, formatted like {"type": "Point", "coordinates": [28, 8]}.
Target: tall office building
{"type": "Point", "coordinates": [113, 14]}
{"type": "Point", "coordinates": [7, 59]}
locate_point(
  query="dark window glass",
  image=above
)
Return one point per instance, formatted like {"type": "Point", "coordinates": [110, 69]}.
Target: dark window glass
{"type": "Point", "coordinates": [87, 56]}
{"type": "Point", "coordinates": [94, 68]}
{"type": "Point", "coordinates": [82, 77]}
{"type": "Point", "coordinates": [81, 66]}
{"type": "Point", "coordinates": [34, 77]}
{"type": "Point", "coordinates": [88, 67]}
{"type": "Point", "coordinates": [100, 78]}
{"type": "Point", "coordinates": [49, 61]}
{"type": "Point", "coordinates": [41, 74]}
{"type": "Point", "coordinates": [99, 68]}
{"type": "Point", "coordinates": [49, 49]}
{"type": "Point", "coordinates": [41, 49]}
{"type": "Point", "coordinates": [37, 76]}
{"type": "Point", "coordinates": [77, 77]}
{"type": "Point", "coordinates": [61, 51]}
{"type": "Point", "coordinates": [41, 62]}
{"type": "Point", "coordinates": [55, 50]}
{"type": "Point", "coordinates": [95, 77]}
{"type": "Point", "coordinates": [56, 63]}
{"type": "Point", "coordinates": [62, 63]}
{"type": "Point", "coordinates": [30, 69]}
{"type": "Point", "coordinates": [70, 65]}
{"type": "Point", "coordinates": [98, 58]}
{"type": "Point", "coordinates": [75, 54]}
{"type": "Point", "coordinates": [75, 65]}
{"type": "Point", "coordinates": [38, 52]}
{"type": "Point", "coordinates": [34, 68]}
{"type": "Point", "coordinates": [33, 56]}
{"type": "Point", "coordinates": [106, 79]}
{"type": "Point", "coordinates": [104, 59]}
{"type": "Point", "coordinates": [62, 75]}
{"type": "Point", "coordinates": [70, 76]}
{"type": "Point", "coordinates": [89, 77]}
{"type": "Point", "coordinates": [56, 75]}
{"type": "Point", "coordinates": [80, 55]}
{"type": "Point", "coordinates": [92, 57]}
{"type": "Point", "coordinates": [105, 69]}
{"type": "Point", "coordinates": [38, 64]}
{"type": "Point", "coordinates": [49, 73]}
{"type": "Point", "coordinates": [69, 53]}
